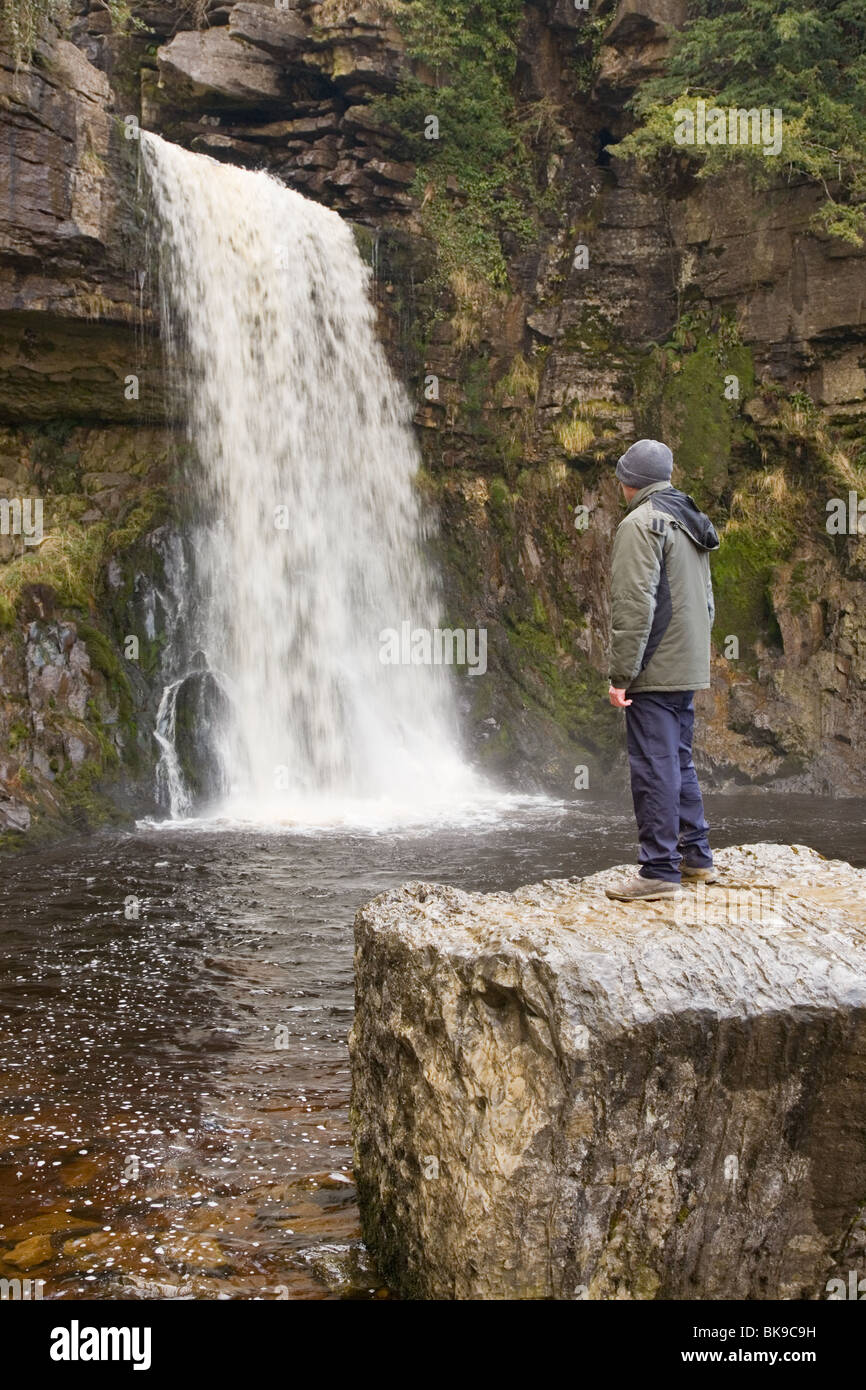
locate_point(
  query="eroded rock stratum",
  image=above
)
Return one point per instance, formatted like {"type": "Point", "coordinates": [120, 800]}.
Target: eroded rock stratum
{"type": "Point", "coordinates": [559, 1097]}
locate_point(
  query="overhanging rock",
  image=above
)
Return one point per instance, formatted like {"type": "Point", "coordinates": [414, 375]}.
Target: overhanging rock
{"type": "Point", "coordinates": [557, 1096]}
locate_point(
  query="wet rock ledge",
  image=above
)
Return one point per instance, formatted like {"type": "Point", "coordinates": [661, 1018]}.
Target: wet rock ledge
{"type": "Point", "coordinates": [559, 1097]}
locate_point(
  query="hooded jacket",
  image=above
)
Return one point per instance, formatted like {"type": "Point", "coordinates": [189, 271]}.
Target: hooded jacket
{"type": "Point", "coordinates": [661, 593]}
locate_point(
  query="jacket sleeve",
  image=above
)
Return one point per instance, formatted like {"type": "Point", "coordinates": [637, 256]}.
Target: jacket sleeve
{"type": "Point", "coordinates": [711, 603]}
{"type": "Point", "coordinates": [636, 565]}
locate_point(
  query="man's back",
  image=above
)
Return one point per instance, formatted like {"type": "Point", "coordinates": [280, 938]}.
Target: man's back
{"type": "Point", "coordinates": [661, 593]}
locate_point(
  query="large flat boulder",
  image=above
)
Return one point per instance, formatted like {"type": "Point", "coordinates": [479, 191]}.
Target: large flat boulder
{"type": "Point", "coordinates": [557, 1096]}
{"type": "Point", "coordinates": [211, 63]}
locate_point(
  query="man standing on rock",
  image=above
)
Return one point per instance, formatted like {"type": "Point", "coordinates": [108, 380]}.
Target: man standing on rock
{"type": "Point", "coordinates": [661, 615]}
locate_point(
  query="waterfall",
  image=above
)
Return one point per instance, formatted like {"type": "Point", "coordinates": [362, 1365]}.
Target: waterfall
{"type": "Point", "coordinates": [305, 538]}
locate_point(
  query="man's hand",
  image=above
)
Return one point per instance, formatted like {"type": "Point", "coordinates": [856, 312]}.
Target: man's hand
{"type": "Point", "coordinates": [617, 698]}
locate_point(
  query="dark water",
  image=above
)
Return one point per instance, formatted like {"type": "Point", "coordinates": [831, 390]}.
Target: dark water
{"type": "Point", "coordinates": [174, 1087]}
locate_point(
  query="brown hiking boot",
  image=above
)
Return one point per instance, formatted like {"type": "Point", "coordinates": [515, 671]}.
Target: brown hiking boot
{"type": "Point", "coordinates": [696, 874]}
{"type": "Point", "coordinates": [643, 890]}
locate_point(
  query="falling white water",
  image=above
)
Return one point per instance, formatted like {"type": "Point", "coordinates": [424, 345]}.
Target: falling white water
{"type": "Point", "coordinates": [306, 538]}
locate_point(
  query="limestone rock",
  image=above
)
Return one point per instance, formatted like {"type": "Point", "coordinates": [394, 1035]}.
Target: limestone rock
{"type": "Point", "coordinates": [200, 705]}
{"type": "Point", "coordinates": [58, 673]}
{"type": "Point", "coordinates": [282, 33]}
{"type": "Point", "coordinates": [69, 298]}
{"type": "Point", "coordinates": [211, 62]}
{"type": "Point", "coordinates": [29, 1254]}
{"type": "Point", "coordinates": [636, 42]}
{"type": "Point", "coordinates": [14, 815]}
{"type": "Point", "coordinates": [556, 1096]}
{"type": "Point", "coordinates": [795, 288]}
{"type": "Point", "coordinates": [58, 210]}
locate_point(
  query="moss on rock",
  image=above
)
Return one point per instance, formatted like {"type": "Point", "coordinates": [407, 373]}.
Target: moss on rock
{"type": "Point", "coordinates": [690, 393]}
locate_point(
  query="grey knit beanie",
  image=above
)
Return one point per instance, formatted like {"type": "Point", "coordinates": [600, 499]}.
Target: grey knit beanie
{"type": "Point", "coordinates": [647, 461]}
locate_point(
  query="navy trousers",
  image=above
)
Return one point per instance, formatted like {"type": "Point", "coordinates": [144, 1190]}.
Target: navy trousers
{"type": "Point", "coordinates": [667, 800]}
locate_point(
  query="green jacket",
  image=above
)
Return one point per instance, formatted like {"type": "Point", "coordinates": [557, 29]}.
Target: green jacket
{"type": "Point", "coordinates": [661, 593]}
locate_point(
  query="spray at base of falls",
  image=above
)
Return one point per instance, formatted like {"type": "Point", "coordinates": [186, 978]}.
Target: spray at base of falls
{"type": "Point", "coordinates": [306, 535]}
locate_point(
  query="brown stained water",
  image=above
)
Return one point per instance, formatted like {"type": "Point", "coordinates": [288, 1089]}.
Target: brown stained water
{"type": "Point", "coordinates": [174, 1088]}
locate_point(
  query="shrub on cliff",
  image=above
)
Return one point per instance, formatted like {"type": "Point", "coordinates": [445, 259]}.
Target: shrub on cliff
{"type": "Point", "coordinates": [807, 60]}
{"type": "Point", "coordinates": [23, 22]}
{"type": "Point", "coordinates": [474, 168]}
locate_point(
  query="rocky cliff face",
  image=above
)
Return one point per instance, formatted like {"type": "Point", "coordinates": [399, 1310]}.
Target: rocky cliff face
{"type": "Point", "coordinates": [559, 1097]}
{"type": "Point", "coordinates": [83, 432]}
{"type": "Point", "coordinates": [710, 312]}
